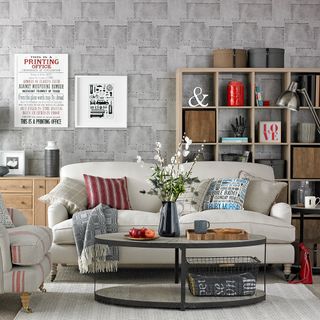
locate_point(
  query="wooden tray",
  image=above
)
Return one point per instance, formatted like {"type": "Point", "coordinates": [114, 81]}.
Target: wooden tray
{"type": "Point", "coordinates": [218, 234]}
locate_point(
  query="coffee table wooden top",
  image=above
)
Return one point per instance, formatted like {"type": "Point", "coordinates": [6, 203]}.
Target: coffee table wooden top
{"type": "Point", "coordinates": [120, 239]}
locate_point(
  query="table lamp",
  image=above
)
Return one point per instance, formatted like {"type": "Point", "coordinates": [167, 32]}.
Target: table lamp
{"type": "Point", "coordinates": [290, 100]}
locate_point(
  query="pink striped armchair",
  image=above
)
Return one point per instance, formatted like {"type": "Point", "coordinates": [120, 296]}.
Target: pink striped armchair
{"type": "Point", "coordinates": [24, 258]}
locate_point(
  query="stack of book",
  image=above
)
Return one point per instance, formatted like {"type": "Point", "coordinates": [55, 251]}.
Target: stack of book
{"type": "Point", "coordinates": [234, 140]}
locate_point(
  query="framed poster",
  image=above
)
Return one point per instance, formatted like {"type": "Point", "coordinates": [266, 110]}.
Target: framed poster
{"type": "Point", "coordinates": [14, 160]}
{"type": "Point", "coordinates": [270, 131]}
{"type": "Point", "coordinates": [41, 90]}
{"type": "Point", "coordinates": [101, 101]}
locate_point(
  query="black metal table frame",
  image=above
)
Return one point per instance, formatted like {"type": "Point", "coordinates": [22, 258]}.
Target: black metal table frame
{"type": "Point", "coordinates": [183, 273]}
{"type": "Point", "coordinates": [301, 214]}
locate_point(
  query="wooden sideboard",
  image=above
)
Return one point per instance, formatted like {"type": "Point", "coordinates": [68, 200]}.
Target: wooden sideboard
{"type": "Point", "coordinates": [22, 192]}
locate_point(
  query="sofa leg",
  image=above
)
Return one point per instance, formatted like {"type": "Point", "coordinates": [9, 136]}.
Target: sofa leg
{"type": "Point", "coordinates": [287, 270]}
{"type": "Point", "coordinates": [54, 270]}
{"type": "Point", "coordinates": [25, 300]}
{"type": "Point", "coordinates": [42, 288]}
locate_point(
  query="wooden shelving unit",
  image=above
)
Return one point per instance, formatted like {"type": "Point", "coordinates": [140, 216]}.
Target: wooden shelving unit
{"type": "Point", "coordinates": [214, 81]}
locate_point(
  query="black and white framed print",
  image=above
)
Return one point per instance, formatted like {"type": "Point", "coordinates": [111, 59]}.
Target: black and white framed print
{"type": "Point", "coordinates": [14, 160]}
{"type": "Point", "coordinates": [101, 101]}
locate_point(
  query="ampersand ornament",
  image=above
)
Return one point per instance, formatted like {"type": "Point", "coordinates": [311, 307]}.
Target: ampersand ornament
{"type": "Point", "coordinates": [199, 97]}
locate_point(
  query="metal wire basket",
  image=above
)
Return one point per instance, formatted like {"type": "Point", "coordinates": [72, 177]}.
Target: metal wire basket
{"type": "Point", "coordinates": [223, 276]}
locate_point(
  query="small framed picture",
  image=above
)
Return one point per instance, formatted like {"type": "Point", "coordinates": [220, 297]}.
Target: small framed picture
{"type": "Point", "coordinates": [14, 160]}
{"type": "Point", "coordinates": [270, 131]}
{"type": "Point", "coordinates": [101, 101]}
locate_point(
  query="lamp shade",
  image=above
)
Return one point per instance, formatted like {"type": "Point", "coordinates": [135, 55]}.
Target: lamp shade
{"type": "Point", "coordinates": [290, 98]}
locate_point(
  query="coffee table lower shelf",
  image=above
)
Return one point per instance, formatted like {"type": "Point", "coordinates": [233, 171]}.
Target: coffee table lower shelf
{"type": "Point", "coordinates": [169, 297]}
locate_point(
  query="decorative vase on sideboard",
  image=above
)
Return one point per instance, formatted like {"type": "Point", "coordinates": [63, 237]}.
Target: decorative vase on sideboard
{"type": "Point", "coordinates": [52, 160]}
{"type": "Point", "coordinates": [169, 222]}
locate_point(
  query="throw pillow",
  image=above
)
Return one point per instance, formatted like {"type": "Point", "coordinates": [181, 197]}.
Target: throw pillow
{"type": "Point", "coordinates": [113, 192]}
{"type": "Point", "coordinates": [70, 193]}
{"type": "Point", "coordinates": [192, 199]}
{"type": "Point", "coordinates": [5, 218]}
{"type": "Point", "coordinates": [226, 194]}
{"type": "Point", "coordinates": [262, 193]}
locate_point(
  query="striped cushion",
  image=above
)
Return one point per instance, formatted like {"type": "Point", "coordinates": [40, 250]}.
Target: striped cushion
{"type": "Point", "coordinates": [29, 244]}
{"type": "Point", "coordinates": [113, 192]}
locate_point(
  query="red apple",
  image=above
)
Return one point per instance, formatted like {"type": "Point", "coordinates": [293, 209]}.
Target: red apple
{"type": "Point", "coordinates": [143, 231]}
{"type": "Point", "coordinates": [133, 232]}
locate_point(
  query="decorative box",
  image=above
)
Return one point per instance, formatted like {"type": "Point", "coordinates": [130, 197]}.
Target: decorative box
{"type": "Point", "coordinates": [270, 131]}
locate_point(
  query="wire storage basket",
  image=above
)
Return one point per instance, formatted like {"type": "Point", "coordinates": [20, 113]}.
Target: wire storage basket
{"type": "Point", "coordinates": [223, 276]}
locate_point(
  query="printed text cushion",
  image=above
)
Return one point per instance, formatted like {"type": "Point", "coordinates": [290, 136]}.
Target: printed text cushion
{"type": "Point", "coordinates": [110, 191]}
{"type": "Point", "coordinates": [29, 244]}
{"type": "Point", "coordinates": [226, 194]}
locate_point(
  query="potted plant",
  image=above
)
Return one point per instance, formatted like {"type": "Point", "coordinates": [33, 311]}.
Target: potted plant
{"type": "Point", "coordinates": [168, 181]}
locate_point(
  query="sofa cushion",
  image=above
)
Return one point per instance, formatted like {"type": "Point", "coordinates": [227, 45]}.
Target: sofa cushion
{"type": "Point", "coordinates": [110, 191]}
{"type": "Point", "coordinates": [63, 234]}
{"type": "Point", "coordinates": [226, 193]}
{"type": "Point", "coordinates": [70, 193]}
{"type": "Point", "coordinates": [192, 199]}
{"type": "Point", "coordinates": [275, 230]}
{"type": "Point", "coordinates": [29, 244]}
{"type": "Point", "coordinates": [262, 193]}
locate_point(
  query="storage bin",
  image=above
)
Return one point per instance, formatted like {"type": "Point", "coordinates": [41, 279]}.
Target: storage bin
{"type": "Point", "coordinates": [230, 58]}
{"type": "Point", "coordinates": [279, 166]}
{"type": "Point", "coordinates": [266, 58]}
{"type": "Point", "coordinates": [223, 276]}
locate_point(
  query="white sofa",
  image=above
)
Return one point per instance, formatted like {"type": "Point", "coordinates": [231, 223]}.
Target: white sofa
{"type": "Point", "coordinates": [145, 212]}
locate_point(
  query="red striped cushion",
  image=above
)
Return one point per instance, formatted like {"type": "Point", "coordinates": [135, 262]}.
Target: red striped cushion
{"type": "Point", "coordinates": [113, 192]}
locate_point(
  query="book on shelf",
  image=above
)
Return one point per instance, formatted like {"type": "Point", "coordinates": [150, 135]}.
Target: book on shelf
{"type": "Point", "coordinates": [234, 139]}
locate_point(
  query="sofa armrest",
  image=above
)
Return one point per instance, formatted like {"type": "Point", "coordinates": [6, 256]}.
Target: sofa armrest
{"type": "Point", "coordinates": [281, 211]}
{"type": "Point", "coordinates": [56, 214]}
{"type": "Point", "coordinates": [6, 264]}
{"type": "Point", "coordinates": [1, 274]}
{"type": "Point", "coordinates": [18, 217]}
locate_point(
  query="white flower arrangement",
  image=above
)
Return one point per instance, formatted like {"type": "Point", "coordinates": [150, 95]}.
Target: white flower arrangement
{"type": "Point", "coordinates": [169, 179]}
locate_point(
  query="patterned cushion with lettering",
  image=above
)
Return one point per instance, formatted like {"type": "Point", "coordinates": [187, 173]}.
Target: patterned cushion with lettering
{"type": "Point", "coordinates": [226, 194]}
{"type": "Point", "coordinates": [192, 199]}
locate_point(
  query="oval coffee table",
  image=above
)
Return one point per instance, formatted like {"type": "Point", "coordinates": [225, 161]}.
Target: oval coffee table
{"type": "Point", "coordinates": [174, 296]}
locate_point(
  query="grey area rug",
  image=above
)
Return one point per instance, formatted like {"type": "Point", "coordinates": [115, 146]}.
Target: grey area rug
{"type": "Point", "coordinates": [74, 301]}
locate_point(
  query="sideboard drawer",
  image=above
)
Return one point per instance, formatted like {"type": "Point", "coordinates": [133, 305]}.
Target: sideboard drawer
{"type": "Point", "coordinates": [16, 186]}
{"type": "Point", "coordinates": [18, 201]}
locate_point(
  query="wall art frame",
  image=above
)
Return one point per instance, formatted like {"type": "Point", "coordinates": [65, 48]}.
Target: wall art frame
{"type": "Point", "coordinates": [15, 160]}
{"type": "Point", "coordinates": [41, 90]}
{"type": "Point", "coordinates": [101, 101]}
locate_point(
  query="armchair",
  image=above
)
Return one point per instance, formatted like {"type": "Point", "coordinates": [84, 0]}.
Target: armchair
{"type": "Point", "coordinates": [24, 258]}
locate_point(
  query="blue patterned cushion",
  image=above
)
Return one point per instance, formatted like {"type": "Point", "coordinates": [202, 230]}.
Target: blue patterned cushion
{"type": "Point", "coordinates": [226, 194]}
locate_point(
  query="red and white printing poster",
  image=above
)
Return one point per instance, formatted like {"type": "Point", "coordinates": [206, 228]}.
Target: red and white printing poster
{"type": "Point", "coordinates": [41, 90]}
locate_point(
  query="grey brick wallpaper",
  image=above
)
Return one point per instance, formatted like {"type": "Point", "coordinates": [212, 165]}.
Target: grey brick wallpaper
{"type": "Point", "coordinates": [146, 40]}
